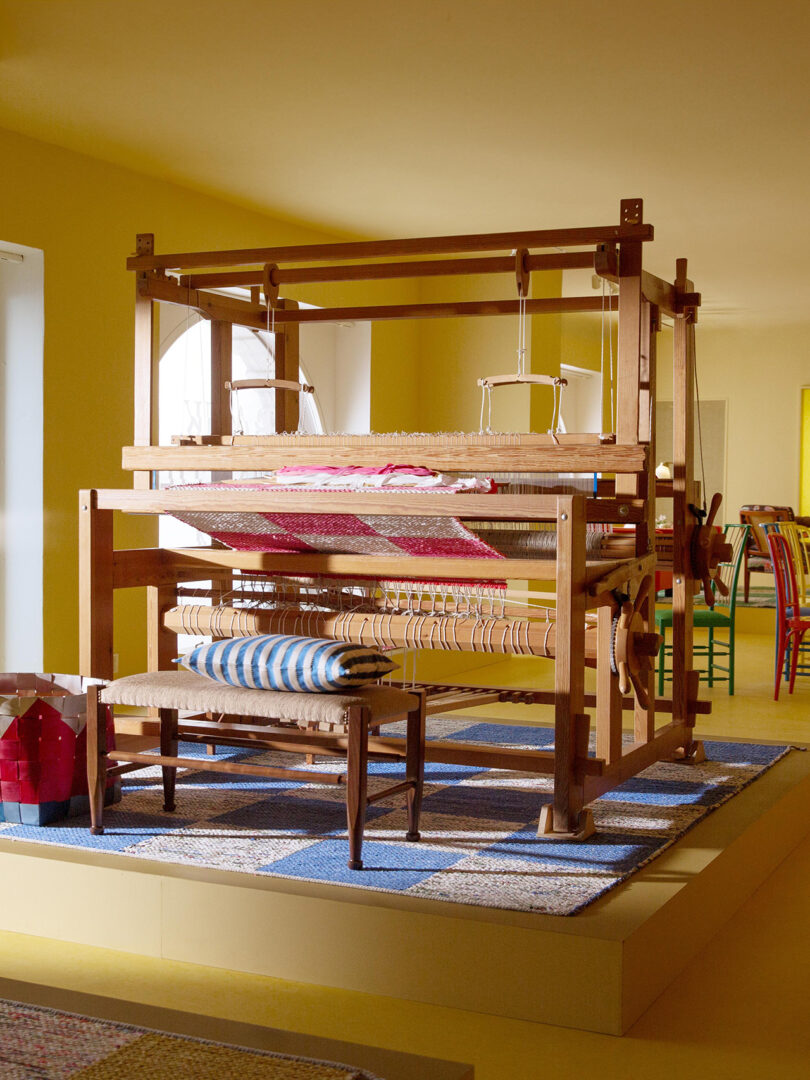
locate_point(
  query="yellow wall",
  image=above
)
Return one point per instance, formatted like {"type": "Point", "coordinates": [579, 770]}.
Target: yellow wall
{"type": "Point", "coordinates": [455, 353]}
{"type": "Point", "coordinates": [804, 501]}
{"type": "Point", "coordinates": [84, 215]}
{"type": "Point", "coordinates": [760, 372]}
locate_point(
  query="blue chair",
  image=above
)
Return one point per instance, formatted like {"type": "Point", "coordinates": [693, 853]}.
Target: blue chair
{"type": "Point", "coordinates": [718, 651]}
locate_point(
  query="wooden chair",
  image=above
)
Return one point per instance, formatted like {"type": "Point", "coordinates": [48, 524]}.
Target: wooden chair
{"type": "Point", "coordinates": [798, 538]}
{"type": "Point", "coordinates": [792, 620]}
{"type": "Point", "coordinates": [719, 617]}
{"type": "Point", "coordinates": [757, 555]}
{"type": "Point", "coordinates": [327, 724]}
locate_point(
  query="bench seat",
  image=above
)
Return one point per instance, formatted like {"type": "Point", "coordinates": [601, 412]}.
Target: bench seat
{"type": "Point", "coordinates": [329, 724]}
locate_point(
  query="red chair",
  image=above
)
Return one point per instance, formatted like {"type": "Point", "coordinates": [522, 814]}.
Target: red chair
{"type": "Point", "coordinates": [792, 620]}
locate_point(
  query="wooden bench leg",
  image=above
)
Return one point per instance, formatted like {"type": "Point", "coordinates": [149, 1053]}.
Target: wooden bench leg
{"type": "Point", "coordinates": [168, 748]}
{"type": "Point", "coordinates": [357, 783]}
{"type": "Point", "coordinates": [96, 758]}
{"type": "Point", "coordinates": [415, 765]}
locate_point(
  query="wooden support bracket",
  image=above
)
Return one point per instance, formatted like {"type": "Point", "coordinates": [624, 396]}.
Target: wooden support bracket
{"type": "Point", "coordinates": [545, 830]}
{"type": "Point", "coordinates": [695, 754]}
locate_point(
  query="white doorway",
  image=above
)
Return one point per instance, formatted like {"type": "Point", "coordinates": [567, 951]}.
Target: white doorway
{"type": "Point", "coordinates": [581, 402]}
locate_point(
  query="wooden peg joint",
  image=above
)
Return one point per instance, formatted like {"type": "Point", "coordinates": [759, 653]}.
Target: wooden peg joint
{"type": "Point", "coordinates": [269, 283]}
{"type": "Point", "coordinates": [631, 211]}
{"type": "Point", "coordinates": [522, 272]}
{"type": "Point", "coordinates": [606, 261]}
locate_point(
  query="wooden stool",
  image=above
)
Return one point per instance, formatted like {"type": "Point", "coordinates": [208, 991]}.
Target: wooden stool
{"type": "Point", "coordinates": [342, 722]}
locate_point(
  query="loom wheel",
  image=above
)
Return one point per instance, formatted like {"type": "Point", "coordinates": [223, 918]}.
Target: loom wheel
{"type": "Point", "coordinates": [632, 647]}
{"type": "Point", "coordinates": [708, 549]}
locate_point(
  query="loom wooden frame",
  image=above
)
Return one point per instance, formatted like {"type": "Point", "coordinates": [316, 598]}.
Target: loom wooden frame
{"type": "Point", "coordinates": [616, 254]}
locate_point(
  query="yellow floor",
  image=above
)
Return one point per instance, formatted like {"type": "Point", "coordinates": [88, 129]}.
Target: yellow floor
{"type": "Point", "coordinates": [740, 1010]}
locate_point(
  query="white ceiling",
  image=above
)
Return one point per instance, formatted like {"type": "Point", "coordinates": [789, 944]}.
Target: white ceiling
{"type": "Point", "coordinates": [437, 116]}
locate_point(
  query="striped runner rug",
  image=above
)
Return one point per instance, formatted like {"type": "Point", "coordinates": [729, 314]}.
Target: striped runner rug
{"type": "Point", "coordinates": [48, 1044]}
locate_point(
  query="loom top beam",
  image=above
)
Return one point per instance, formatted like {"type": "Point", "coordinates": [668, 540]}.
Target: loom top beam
{"type": "Point", "coordinates": [369, 249]}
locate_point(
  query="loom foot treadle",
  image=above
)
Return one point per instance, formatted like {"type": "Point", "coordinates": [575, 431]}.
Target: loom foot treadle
{"type": "Point", "coordinates": [694, 754]}
{"type": "Point", "coordinates": [546, 831]}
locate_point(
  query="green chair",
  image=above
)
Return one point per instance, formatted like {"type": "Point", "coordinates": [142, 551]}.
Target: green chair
{"type": "Point", "coordinates": [718, 617]}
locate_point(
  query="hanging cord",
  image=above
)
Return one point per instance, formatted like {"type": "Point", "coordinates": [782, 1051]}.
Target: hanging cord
{"type": "Point", "coordinates": [602, 358]}
{"type": "Point", "coordinates": [610, 347]}
{"type": "Point", "coordinates": [607, 330]}
{"type": "Point", "coordinates": [556, 410]}
{"type": "Point", "coordinates": [521, 349]}
{"type": "Point", "coordinates": [700, 438]}
{"type": "Point", "coordinates": [486, 389]}
{"type": "Point", "coordinates": [486, 401]}
{"type": "Point", "coordinates": [236, 413]}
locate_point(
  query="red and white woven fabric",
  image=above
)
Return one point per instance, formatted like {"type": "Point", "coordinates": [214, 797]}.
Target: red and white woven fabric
{"type": "Point", "coordinates": [345, 534]}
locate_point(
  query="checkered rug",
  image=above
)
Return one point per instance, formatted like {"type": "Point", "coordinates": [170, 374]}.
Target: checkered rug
{"type": "Point", "coordinates": [479, 843]}
{"type": "Point", "coordinates": [47, 1044]}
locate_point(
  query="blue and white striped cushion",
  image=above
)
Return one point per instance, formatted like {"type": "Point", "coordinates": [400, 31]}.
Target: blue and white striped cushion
{"type": "Point", "coordinates": [287, 662]}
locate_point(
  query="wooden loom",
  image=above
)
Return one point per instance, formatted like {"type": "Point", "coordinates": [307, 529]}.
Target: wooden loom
{"type": "Point", "coordinates": [615, 638]}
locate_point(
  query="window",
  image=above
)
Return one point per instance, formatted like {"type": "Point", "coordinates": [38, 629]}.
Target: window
{"type": "Point", "coordinates": [21, 433]}
{"type": "Point", "coordinates": [185, 409]}
{"type": "Point", "coordinates": [185, 390]}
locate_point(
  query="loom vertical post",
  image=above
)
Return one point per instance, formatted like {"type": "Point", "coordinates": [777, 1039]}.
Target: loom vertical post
{"type": "Point", "coordinates": [146, 363]}
{"type": "Point", "coordinates": [286, 367]}
{"type": "Point", "coordinates": [566, 816]}
{"type": "Point", "coordinates": [161, 642]}
{"type": "Point", "coordinates": [220, 374]}
{"type": "Point", "coordinates": [95, 588]}
{"type": "Point", "coordinates": [644, 718]}
{"type": "Point", "coordinates": [683, 421]}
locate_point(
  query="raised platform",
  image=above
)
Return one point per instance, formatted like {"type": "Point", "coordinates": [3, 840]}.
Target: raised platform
{"type": "Point", "coordinates": [598, 970]}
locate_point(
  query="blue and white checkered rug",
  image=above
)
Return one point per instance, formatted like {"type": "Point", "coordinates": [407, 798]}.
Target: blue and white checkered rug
{"type": "Point", "coordinates": [478, 826]}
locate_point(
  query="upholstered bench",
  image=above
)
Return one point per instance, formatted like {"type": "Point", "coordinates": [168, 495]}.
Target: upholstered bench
{"type": "Point", "coordinates": [326, 724]}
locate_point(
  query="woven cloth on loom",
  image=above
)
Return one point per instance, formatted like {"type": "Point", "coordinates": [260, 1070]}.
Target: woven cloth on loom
{"type": "Point", "coordinates": [344, 534]}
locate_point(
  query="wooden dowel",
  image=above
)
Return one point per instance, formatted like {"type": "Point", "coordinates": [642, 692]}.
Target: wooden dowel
{"type": "Point", "coordinates": [444, 310]}
{"type": "Point", "coordinates": [453, 632]}
{"type": "Point", "coordinates": [564, 260]}
{"type": "Point", "coordinates": [228, 309]}
{"type": "Point", "coordinates": [225, 767]}
{"type": "Point", "coordinates": [370, 249]}
{"type": "Point", "coordinates": [395, 789]}
{"type": "Point", "coordinates": [529, 378]}
{"type": "Point", "coordinates": [380, 566]}
{"type": "Point", "coordinates": [403, 441]}
{"type": "Point", "coordinates": [270, 384]}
